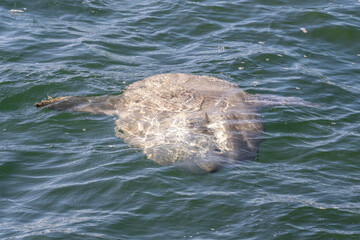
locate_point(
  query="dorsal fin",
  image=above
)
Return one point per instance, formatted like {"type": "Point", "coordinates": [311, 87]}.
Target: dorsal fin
{"type": "Point", "coordinates": [97, 105]}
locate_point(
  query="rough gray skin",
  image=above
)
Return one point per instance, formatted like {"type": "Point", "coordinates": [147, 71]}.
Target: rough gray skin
{"type": "Point", "coordinates": [199, 122]}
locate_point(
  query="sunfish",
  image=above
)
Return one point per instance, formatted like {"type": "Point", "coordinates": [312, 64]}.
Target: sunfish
{"type": "Point", "coordinates": [200, 123]}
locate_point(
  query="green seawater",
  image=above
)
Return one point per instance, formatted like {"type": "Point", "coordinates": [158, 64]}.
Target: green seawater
{"type": "Point", "coordinates": [67, 176]}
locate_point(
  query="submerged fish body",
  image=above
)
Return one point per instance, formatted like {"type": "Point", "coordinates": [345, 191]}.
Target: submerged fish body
{"type": "Point", "coordinates": [198, 122]}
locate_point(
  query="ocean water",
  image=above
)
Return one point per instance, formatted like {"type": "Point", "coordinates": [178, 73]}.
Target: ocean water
{"type": "Point", "coordinates": [67, 176]}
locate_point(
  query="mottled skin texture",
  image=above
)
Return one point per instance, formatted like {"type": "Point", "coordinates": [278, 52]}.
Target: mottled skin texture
{"type": "Point", "coordinates": [199, 122]}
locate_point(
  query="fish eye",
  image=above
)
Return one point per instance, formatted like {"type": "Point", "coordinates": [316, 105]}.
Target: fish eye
{"type": "Point", "coordinates": [217, 150]}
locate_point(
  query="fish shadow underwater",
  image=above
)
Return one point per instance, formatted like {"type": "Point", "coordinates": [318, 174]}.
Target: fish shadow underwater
{"type": "Point", "coordinates": [199, 123]}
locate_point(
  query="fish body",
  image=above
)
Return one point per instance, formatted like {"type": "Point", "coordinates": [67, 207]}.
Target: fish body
{"type": "Point", "coordinates": [200, 123]}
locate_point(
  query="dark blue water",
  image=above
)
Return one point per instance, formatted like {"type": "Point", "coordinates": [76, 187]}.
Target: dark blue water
{"type": "Point", "coordinates": [67, 176]}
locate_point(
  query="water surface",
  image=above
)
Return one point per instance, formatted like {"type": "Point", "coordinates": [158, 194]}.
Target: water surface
{"type": "Point", "coordinates": [67, 176]}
